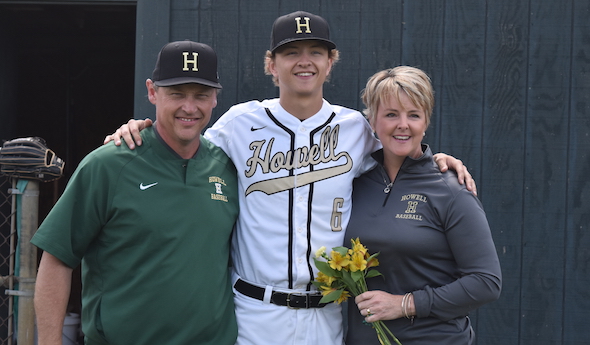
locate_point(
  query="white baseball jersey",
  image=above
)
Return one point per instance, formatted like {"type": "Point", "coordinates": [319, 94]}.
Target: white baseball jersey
{"type": "Point", "coordinates": [295, 186]}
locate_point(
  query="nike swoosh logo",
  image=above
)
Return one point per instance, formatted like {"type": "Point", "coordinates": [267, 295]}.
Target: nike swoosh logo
{"type": "Point", "coordinates": [144, 187]}
{"type": "Point", "coordinates": [256, 129]}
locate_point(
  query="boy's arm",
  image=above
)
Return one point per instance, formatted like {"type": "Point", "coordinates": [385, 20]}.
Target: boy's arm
{"type": "Point", "coordinates": [129, 132]}
{"type": "Point", "coordinates": [446, 162]}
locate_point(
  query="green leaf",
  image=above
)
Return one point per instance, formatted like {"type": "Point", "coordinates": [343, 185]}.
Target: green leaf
{"type": "Point", "coordinates": [317, 284]}
{"type": "Point", "coordinates": [341, 250]}
{"type": "Point", "coordinates": [325, 268]}
{"type": "Point", "coordinates": [347, 278]}
{"type": "Point", "coordinates": [373, 256]}
{"type": "Point", "coordinates": [356, 276]}
{"type": "Point", "coordinates": [351, 285]}
{"type": "Point", "coordinates": [373, 273]}
{"type": "Point", "coordinates": [331, 297]}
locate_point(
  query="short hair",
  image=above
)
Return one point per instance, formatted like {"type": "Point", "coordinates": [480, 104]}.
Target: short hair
{"type": "Point", "coordinates": [333, 54]}
{"type": "Point", "coordinates": [391, 82]}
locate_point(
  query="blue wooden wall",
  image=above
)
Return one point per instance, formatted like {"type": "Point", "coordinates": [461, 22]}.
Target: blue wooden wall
{"type": "Point", "coordinates": [512, 81]}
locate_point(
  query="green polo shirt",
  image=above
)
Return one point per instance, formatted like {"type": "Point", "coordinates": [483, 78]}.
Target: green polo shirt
{"type": "Point", "coordinates": [152, 231]}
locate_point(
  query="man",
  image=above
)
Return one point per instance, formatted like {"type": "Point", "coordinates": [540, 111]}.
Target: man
{"type": "Point", "coordinates": [151, 227]}
{"type": "Point", "coordinates": [296, 157]}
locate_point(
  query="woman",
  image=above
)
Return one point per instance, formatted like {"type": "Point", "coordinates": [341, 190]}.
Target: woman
{"type": "Point", "coordinates": [437, 255]}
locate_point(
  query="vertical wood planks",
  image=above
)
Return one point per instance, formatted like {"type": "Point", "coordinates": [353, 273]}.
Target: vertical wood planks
{"type": "Point", "coordinates": [502, 160]}
{"type": "Point", "coordinates": [512, 83]}
{"type": "Point", "coordinates": [545, 171]}
{"type": "Point", "coordinates": [577, 247]}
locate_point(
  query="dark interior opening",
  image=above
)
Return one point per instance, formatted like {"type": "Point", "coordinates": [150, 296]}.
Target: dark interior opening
{"type": "Point", "coordinates": [66, 75]}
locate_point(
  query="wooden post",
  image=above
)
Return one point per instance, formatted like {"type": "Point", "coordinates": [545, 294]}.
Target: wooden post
{"type": "Point", "coordinates": [28, 264]}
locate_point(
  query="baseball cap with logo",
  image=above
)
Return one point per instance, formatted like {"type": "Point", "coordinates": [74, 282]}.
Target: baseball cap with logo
{"type": "Point", "coordinates": [185, 62]}
{"type": "Point", "coordinates": [299, 26]}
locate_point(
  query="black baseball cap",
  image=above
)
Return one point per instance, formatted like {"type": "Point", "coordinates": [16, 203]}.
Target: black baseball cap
{"type": "Point", "coordinates": [298, 26]}
{"type": "Point", "coordinates": [185, 62]}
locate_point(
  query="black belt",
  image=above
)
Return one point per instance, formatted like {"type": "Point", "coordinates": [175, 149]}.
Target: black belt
{"type": "Point", "coordinates": [291, 300]}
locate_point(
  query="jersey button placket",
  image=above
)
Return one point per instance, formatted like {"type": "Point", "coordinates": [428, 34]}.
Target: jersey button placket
{"type": "Point", "coordinates": [300, 215]}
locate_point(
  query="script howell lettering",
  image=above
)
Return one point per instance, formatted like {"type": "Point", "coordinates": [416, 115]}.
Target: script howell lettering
{"type": "Point", "coordinates": [302, 157]}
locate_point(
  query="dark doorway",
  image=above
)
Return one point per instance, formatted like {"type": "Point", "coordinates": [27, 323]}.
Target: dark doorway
{"type": "Point", "coordinates": [66, 75]}
{"type": "Point", "coordinates": [71, 75]}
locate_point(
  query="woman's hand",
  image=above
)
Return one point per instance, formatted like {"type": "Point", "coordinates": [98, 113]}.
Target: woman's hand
{"type": "Point", "coordinates": [379, 305]}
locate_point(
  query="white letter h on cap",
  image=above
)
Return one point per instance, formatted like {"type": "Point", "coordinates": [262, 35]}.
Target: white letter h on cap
{"type": "Point", "coordinates": [299, 25]}
{"type": "Point", "coordinates": [187, 61]}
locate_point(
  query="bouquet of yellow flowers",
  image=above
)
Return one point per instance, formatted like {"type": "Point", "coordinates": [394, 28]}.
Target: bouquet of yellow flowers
{"type": "Point", "coordinates": [344, 273]}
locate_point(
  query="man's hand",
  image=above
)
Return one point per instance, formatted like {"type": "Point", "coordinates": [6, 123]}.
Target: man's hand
{"type": "Point", "coordinates": [129, 132]}
{"type": "Point", "coordinates": [445, 162]}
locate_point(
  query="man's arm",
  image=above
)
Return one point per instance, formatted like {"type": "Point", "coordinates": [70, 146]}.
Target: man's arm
{"type": "Point", "coordinates": [52, 293]}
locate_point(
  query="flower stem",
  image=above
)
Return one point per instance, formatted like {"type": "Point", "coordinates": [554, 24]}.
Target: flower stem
{"type": "Point", "coordinates": [383, 337]}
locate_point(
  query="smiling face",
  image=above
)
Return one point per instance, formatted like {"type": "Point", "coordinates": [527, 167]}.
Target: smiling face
{"type": "Point", "coordinates": [400, 125]}
{"type": "Point", "coordinates": [182, 112]}
{"type": "Point", "coordinates": [301, 68]}
{"type": "Point", "coordinates": [399, 105]}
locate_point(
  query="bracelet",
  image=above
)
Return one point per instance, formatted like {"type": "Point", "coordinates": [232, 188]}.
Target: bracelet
{"type": "Point", "coordinates": [403, 305]}
{"type": "Point", "coordinates": [405, 302]}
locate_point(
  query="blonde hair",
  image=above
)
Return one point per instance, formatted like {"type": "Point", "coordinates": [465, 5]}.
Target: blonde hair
{"type": "Point", "coordinates": [391, 82]}
{"type": "Point", "coordinates": [333, 54]}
